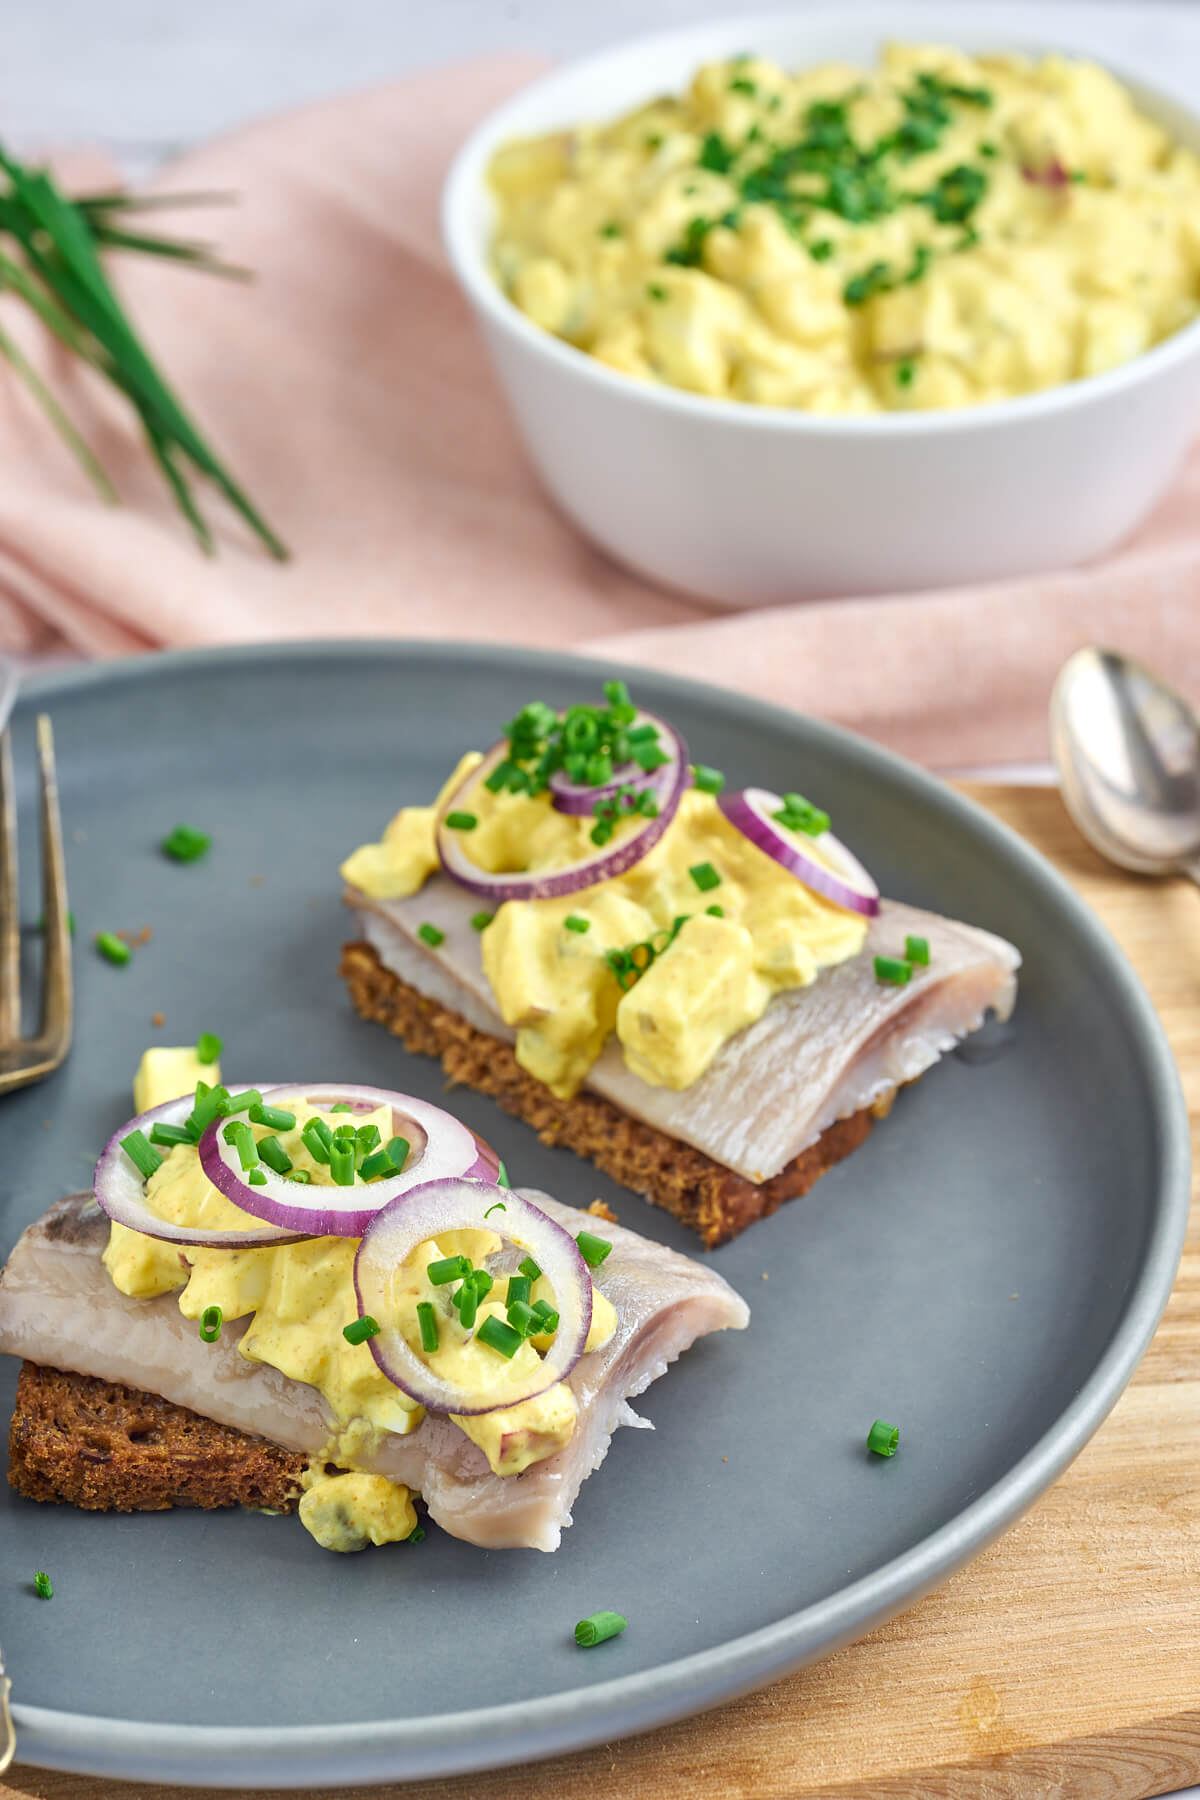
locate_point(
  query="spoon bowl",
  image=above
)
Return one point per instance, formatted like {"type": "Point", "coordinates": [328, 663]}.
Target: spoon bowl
{"type": "Point", "coordinates": [1127, 749]}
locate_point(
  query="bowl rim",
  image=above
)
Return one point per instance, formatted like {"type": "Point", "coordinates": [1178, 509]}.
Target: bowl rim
{"type": "Point", "coordinates": [464, 183]}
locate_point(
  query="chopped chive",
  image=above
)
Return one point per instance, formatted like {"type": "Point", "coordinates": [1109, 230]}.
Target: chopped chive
{"type": "Point", "coordinates": [573, 922]}
{"type": "Point", "coordinates": [448, 1268]}
{"type": "Point", "coordinates": [916, 950]}
{"type": "Point", "coordinates": [530, 1268]}
{"type": "Point", "coordinates": [113, 948]}
{"type": "Point", "coordinates": [209, 1106]}
{"type": "Point", "coordinates": [170, 1134]}
{"type": "Point", "coordinates": [655, 290]}
{"type": "Point", "coordinates": [592, 1249]}
{"type": "Point", "coordinates": [704, 876]}
{"type": "Point", "coordinates": [502, 1176]}
{"type": "Point", "coordinates": [185, 844]}
{"type": "Point", "coordinates": [416, 1535]}
{"type": "Point", "coordinates": [522, 1318]}
{"type": "Point", "coordinates": [359, 1330]}
{"type": "Point", "coordinates": [316, 1138]}
{"type": "Point", "coordinates": [481, 920]}
{"type": "Point", "coordinates": [466, 1299]}
{"type": "Point", "coordinates": [368, 1137]}
{"type": "Point", "coordinates": [346, 1132]}
{"type": "Point", "coordinates": [499, 1336]}
{"type": "Point", "coordinates": [243, 1140]}
{"type": "Point", "coordinates": [378, 1164]}
{"type": "Point", "coordinates": [799, 814]}
{"type": "Point", "coordinates": [616, 693]}
{"type": "Point", "coordinates": [519, 1287]}
{"type": "Point", "coordinates": [892, 969]}
{"type": "Point", "coordinates": [256, 1178]}
{"type": "Point", "coordinates": [883, 1439]}
{"type": "Point", "coordinates": [547, 1319]}
{"type": "Point", "coordinates": [397, 1149]}
{"type": "Point", "coordinates": [240, 1103]}
{"type": "Point", "coordinates": [496, 1206]}
{"type": "Point", "coordinates": [341, 1162]}
{"type": "Point", "coordinates": [210, 1324]}
{"type": "Point", "coordinates": [208, 1047]}
{"type": "Point", "coordinates": [274, 1116]}
{"type": "Point", "coordinates": [709, 781]}
{"type": "Point", "coordinates": [43, 1587]}
{"type": "Point", "coordinates": [461, 821]}
{"type": "Point", "coordinates": [429, 934]}
{"type": "Point", "coordinates": [715, 912]}
{"type": "Point", "coordinates": [427, 1320]}
{"type": "Point", "coordinates": [342, 1106]}
{"type": "Point", "coordinates": [272, 1152]}
{"type": "Point", "coordinates": [599, 1628]}
{"type": "Point", "coordinates": [300, 1175]}
{"type": "Point", "coordinates": [144, 1159]}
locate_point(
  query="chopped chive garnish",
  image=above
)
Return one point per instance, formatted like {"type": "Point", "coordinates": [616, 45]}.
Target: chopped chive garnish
{"type": "Point", "coordinates": [429, 934]}
{"type": "Point", "coordinates": [704, 876]}
{"type": "Point", "coordinates": [499, 1336]}
{"type": "Point", "coordinates": [573, 922]}
{"type": "Point", "coordinates": [300, 1175]}
{"type": "Point", "coordinates": [496, 1206]}
{"type": "Point", "coordinates": [547, 1319]}
{"type": "Point", "coordinates": [208, 1047]}
{"type": "Point", "coordinates": [144, 1159]}
{"type": "Point", "coordinates": [113, 948]}
{"type": "Point", "coordinates": [345, 1131]}
{"type": "Point", "coordinates": [599, 1628]}
{"type": "Point", "coordinates": [170, 1134]}
{"type": "Point", "coordinates": [892, 969]}
{"type": "Point", "coordinates": [341, 1162]}
{"type": "Point", "coordinates": [530, 1268]}
{"type": "Point", "coordinates": [481, 920]}
{"type": "Point", "coordinates": [502, 1176]}
{"type": "Point", "coordinates": [43, 1587]}
{"type": "Point", "coordinates": [277, 1117]}
{"type": "Point", "coordinates": [709, 781]}
{"type": "Point", "coordinates": [316, 1138]}
{"type": "Point", "coordinates": [592, 1249]}
{"type": "Point", "coordinates": [416, 1535]}
{"type": "Point", "coordinates": [448, 1268]}
{"type": "Point", "coordinates": [380, 1163]}
{"type": "Point", "coordinates": [272, 1152]}
{"type": "Point", "coordinates": [240, 1103]}
{"type": "Point", "coordinates": [256, 1178]}
{"type": "Point", "coordinates": [209, 1105]}
{"type": "Point", "coordinates": [185, 844]}
{"type": "Point", "coordinates": [916, 950]}
{"type": "Point", "coordinates": [342, 1106]}
{"type": "Point", "coordinates": [210, 1324]}
{"type": "Point", "coordinates": [461, 821]}
{"type": "Point", "coordinates": [883, 1439]}
{"type": "Point", "coordinates": [427, 1320]}
{"type": "Point", "coordinates": [522, 1318]}
{"type": "Point", "coordinates": [519, 1287]}
{"type": "Point", "coordinates": [359, 1330]}
{"type": "Point", "coordinates": [467, 1301]}
{"type": "Point", "coordinates": [715, 912]}
{"type": "Point", "coordinates": [397, 1149]}
{"type": "Point", "coordinates": [368, 1137]}
{"type": "Point", "coordinates": [242, 1138]}
{"type": "Point", "coordinates": [799, 814]}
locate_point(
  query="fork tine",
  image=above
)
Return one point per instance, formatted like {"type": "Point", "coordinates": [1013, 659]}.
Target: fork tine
{"type": "Point", "coordinates": [10, 925]}
{"type": "Point", "coordinates": [56, 995]}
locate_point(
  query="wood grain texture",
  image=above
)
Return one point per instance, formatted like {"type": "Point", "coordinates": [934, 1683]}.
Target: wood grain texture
{"type": "Point", "coordinates": [1065, 1661]}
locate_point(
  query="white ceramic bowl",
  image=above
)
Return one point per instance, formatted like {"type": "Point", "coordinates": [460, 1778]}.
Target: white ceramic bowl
{"type": "Point", "coordinates": [743, 505]}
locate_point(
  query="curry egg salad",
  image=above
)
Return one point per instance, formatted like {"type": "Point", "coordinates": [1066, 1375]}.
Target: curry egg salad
{"type": "Point", "coordinates": [938, 232]}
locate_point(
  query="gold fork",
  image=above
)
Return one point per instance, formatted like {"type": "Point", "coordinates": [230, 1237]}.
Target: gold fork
{"type": "Point", "coordinates": [23, 1060]}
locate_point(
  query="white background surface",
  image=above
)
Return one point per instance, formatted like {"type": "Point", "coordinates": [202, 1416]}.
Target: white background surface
{"type": "Point", "coordinates": [143, 78]}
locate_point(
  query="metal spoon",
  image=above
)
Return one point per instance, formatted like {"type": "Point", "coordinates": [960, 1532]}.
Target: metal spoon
{"type": "Point", "coordinates": [1128, 754]}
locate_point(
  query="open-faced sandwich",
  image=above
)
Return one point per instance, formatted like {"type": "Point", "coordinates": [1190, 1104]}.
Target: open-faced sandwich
{"type": "Point", "coordinates": [327, 1299]}
{"type": "Point", "coordinates": [699, 990]}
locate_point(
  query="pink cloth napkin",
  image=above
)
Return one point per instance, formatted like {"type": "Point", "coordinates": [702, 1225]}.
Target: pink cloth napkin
{"type": "Point", "coordinates": [348, 391]}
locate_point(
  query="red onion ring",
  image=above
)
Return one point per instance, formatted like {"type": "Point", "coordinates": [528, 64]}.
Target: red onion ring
{"type": "Point", "coordinates": [579, 800]}
{"type": "Point", "coordinates": [120, 1190]}
{"type": "Point", "coordinates": [440, 1146]}
{"type": "Point", "coordinates": [601, 865]}
{"type": "Point", "coordinates": [847, 883]}
{"type": "Point", "coordinates": [444, 1206]}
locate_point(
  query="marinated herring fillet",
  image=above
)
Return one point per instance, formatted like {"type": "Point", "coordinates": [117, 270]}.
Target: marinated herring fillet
{"type": "Point", "coordinates": [59, 1308]}
{"type": "Point", "coordinates": [817, 1055]}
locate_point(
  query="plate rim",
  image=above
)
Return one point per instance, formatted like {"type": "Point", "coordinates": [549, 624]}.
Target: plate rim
{"type": "Point", "coordinates": [578, 1718]}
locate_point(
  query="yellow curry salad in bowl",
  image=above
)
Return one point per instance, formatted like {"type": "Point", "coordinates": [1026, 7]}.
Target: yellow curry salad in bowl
{"type": "Point", "coordinates": [938, 231]}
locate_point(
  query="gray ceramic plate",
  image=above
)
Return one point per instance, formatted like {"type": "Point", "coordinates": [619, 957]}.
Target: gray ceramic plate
{"type": "Point", "coordinates": [985, 1271]}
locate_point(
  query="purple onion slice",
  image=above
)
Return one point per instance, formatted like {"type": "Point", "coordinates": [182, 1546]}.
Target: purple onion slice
{"type": "Point", "coordinates": [834, 871]}
{"type": "Point", "coordinates": [579, 800]}
{"type": "Point", "coordinates": [440, 1145]}
{"type": "Point", "coordinates": [120, 1190]}
{"type": "Point", "coordinates": [602, 864]}
{"type": "Point", "coordinates": [444, 1206]}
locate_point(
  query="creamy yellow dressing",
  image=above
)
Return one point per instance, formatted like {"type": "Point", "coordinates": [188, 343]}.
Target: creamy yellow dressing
{"type": "Point", "coordinates": [299, 1297]}
{"type": "Point", "coordinates": [702, 242]}
{"type": "Point", "coordinates": [553, 984]}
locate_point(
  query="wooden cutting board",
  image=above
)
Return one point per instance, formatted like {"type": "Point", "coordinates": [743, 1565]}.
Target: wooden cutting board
{"type": "Point", "coordinates": [1063, 1662]}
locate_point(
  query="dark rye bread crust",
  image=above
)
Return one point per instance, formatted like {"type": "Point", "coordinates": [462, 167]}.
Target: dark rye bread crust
{"type": "Point", "coordinates": [710, 1198]}
{"type": "Point", "coordinates": [109, 1448]}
